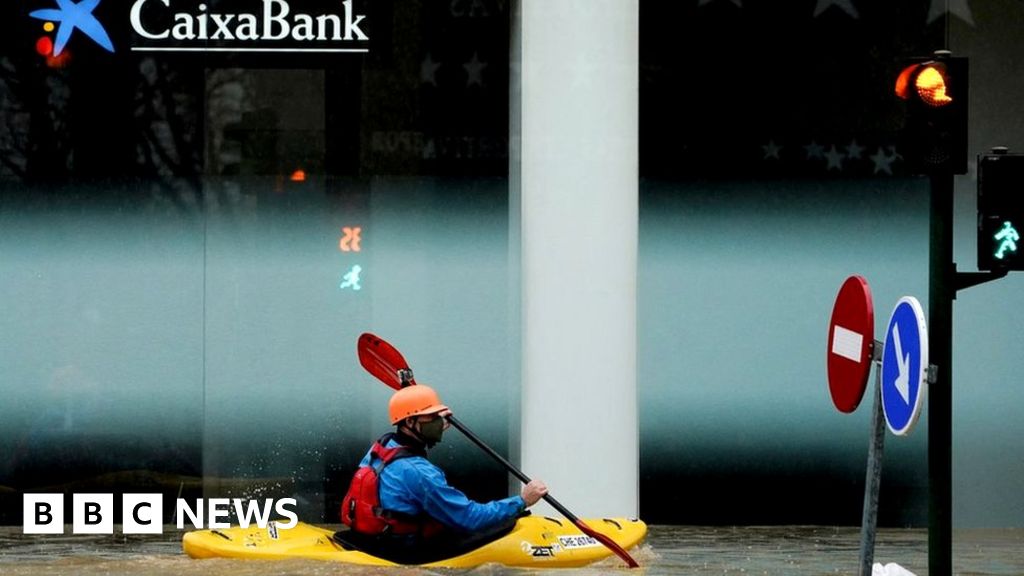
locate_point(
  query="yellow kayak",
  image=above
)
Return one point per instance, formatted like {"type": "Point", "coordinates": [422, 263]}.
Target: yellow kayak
{"type": "Point", "coordinates": [535, 541]}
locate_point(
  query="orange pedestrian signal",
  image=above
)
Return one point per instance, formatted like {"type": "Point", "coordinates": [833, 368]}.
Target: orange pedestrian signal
{"type": "Point", "coordinates": [928, 81]}
{"type": "Point", "coordinates": [934, 135]}
{"type": "Point", "coordinates": [350, 239]}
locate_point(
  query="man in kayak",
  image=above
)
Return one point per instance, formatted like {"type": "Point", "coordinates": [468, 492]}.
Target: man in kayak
{"type": "Point", "coordinates": [400, 506]}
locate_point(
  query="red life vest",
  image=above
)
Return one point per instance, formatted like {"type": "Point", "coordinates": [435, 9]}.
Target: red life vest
{"type": "Point", "coordinates": [361, 510]}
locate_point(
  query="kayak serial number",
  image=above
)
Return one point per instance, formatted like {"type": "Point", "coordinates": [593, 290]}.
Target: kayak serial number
{"type": "Point", "coordinates": [581, 541]}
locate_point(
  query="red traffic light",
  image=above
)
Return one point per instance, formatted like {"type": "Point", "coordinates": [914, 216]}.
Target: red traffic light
{"type": "Point", "coordinates": [927, 81]}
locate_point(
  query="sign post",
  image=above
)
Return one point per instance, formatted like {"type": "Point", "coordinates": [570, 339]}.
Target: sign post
{"type": "Point", "coordinates": [852, 350]}
{"type": "Point", "coordinates": [872, 481]}
{"type": "Point", "coordinates": [899, 381]}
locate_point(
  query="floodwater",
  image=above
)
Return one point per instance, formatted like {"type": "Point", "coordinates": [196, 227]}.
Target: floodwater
{"type": "Point", "coordinates": [790, 550]}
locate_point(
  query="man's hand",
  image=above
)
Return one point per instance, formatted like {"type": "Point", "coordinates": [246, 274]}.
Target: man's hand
{"type": "Point", "coordinates": [533, 492]}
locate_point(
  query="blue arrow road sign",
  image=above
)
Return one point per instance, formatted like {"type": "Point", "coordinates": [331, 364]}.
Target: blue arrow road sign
{"type": "Point", "coordinates": [904, 365]}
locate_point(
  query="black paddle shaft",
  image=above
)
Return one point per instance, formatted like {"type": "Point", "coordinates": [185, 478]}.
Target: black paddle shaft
{"type": "Point", "coordinates": [510, 467]}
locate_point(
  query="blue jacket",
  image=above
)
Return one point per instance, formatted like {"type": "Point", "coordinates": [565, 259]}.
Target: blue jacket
{"type": "Point", "coordinates": [415, 486]}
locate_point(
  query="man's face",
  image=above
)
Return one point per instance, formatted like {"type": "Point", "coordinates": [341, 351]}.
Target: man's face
{"type": "Point", "coordinates": [431, 427]}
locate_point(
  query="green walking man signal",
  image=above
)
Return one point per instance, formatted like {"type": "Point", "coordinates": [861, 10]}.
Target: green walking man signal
{"type": "Point", "coordinates": [1007, 238]}
{"type": "Point", "coordinates": [1000, 210]}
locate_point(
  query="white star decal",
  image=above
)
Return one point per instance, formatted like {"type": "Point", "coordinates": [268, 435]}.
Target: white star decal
{"type": "Point", "coordinates": [814, 150]}
{"type": "Point", "coordinates": [771, 150]}
{"type": "Point", "coordinates": [958, 8]}
{"type": "Point", "coordinates": [428, 70]}
{"type": "Point", "coordinates": [475, 71]}
{"type": "Point", "coordinates": [846, 5]}
{"type": "Point", "coordinates": [834, 159]}
{"type": "Point", "coordinates": [883, 161]}
{"type": "Point", "coordinates": [854, 150]}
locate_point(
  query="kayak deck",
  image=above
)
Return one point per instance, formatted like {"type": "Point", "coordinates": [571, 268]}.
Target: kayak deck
{"type": "Point", "coordinates": [535, 541]}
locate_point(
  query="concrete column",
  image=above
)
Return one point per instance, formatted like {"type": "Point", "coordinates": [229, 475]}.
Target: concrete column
{"type": "Point", "coordinates": [575, 177]}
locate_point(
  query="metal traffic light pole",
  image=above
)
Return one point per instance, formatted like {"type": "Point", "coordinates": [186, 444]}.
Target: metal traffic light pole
{"type": "Point", "coordinates": [938, 143]}
{"type": "Point", "coordinates": [935, 142]}
{"type": "Point", "coordinates": [941, 293]}
{"type": "Point", "coordinates": [943, 283]}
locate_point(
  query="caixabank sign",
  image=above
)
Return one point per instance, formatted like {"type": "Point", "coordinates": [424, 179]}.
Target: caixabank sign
{"type": "Point", "coordinates": [321, 26]}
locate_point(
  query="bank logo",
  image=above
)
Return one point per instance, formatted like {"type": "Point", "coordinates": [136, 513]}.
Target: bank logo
{"type": "Point", "coordinates": [198, 26]}
{"type": "Point", "coordinates": [71, 16]}
{"type": "Point", "coordinates": [268, 26]}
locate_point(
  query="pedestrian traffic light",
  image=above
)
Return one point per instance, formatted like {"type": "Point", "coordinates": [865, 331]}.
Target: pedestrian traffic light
{"type": "Point", "coordinates": [1000, 211]}
{"type": "Point", "coordinates": [934, 136]}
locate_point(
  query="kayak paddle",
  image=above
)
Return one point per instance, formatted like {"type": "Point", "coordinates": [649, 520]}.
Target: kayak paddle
{"type": "Point", "coordinates": [387, 364]}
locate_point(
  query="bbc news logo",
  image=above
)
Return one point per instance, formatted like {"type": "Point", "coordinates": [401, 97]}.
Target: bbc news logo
{"type": "Point", "coordinates": [143, 513]}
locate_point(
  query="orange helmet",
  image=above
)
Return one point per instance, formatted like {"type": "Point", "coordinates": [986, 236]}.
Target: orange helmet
{"type": "Point", "coordinates": [415, 400]}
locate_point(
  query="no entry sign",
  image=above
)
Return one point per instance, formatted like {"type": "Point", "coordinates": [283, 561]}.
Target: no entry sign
{"type": "Point", "coordinates": [850, 338]}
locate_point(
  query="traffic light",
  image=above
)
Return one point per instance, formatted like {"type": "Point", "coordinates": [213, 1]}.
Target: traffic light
{"type": "Point", "coordinates": [934, 137]}
{"type": "Point", "coordinates": [1000, 211]}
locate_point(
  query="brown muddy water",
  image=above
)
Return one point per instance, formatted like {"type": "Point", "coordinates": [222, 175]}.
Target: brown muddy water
{"type": "Point", "coordinates": [790, 550]}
